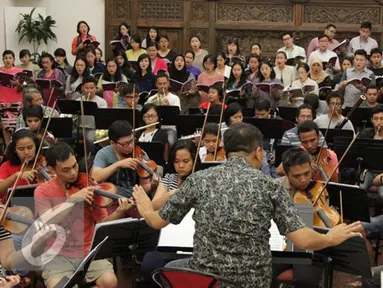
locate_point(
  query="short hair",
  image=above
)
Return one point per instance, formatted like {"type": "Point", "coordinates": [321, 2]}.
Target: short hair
{"type": "Point", "coordinates": [152, 44]}
{"type": "Point", "coordinates": [136, 38]}
{"type": "Point", "coordinates": [24, 52]}
{"type": "Point", "coordinates": [366, 25]}
{"type": "Point", "coordinates": [334, 94]}
{"type": "Point", "coordinates": [78, 26]}
{"type": "Point", "coordinates": [210, 128]}
{"type": "Point", "coordinates": [376, 50]}
{"type": "Point", "coordinates": [33, 111]}
{"type": "Point", "coordinates": [181, 145]}
{"type": "Point", "coordinates": [305, 106]}
{"type": "Point", "coordinates": [59, 52]}
{"type": "Point", "coordinates": [118, 129]}
{"type": "Point", "coordinates": [287, 33]}
{"type": "Point", "coordinates": [293, 157]}
{"type": "Point", "coordinates": [361, 52]}
{"type": "Point", "coordinates": [162, 75]}
{"type": "Point", "coordinates": [304, 66]}
{"type": "Point", "coordinates": [323, 36]}
{"type": "Point", "coordinates": [307, 126]}
{"type": "Point", "coordinates": [128, 89]}
{"type": "Point", "coordinates": [312, 99]}
{"type": "Point", "coordinates": [89, 79]}
{"type": "Point", "coordinates": [10, 153]}
{"type": "Point", "coordinates": [58, 152]}
{"type": "Point", "coordinates": [283, 53]}
{"type": "Point", "coordinates": [262, 104]}
{"type": "Point", "coordinates": [219, 89]}
{"type": "Point", "coordinates": [242, 137]}
{"type": "Point", "coordinates": [147, 107]}
{"type": "Point", "coordinates": [377, 109]}
{"type": "Point", "coordinates": [210, 57]}
{"type": "Point", "coordinates": [231, 110]}
{"type": "Point", "coordinates": [8, 52]}
{"type": "Point", "coordinates": [328, 26]}
{"type": "Point", "coordinates": [372, 86]}
{"type": "Point", "coordinates": [27, 95]}
{"type": "Point", "coordinates": [190, 52]}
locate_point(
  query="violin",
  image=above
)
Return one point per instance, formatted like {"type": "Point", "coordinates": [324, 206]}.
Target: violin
{"type": "Point", "coordinates": [146, 168]}
{"type": "Point", "coordinates": [17, 219]}
{"type": "Point", "coordinates": [325, 215]}
{"type": "Point", "coordinates": [322, 162]}
{"type": "Point", "coordinates": [220, 156]}
{"type": "Point", "coordinates": [44, 172]}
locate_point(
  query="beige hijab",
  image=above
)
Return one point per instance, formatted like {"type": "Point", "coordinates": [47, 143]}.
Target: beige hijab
{"type": "Point", "coordinates": [317, 77]}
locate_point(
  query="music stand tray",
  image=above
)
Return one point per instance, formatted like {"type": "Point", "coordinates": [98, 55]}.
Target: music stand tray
{"type": "Point", "coordinates": [336, 133]}
{"type": "Point", "coordinates": [60, 127]}
{"type": "Point", "coordinates": [279, 150]}
{"type": "Point", "coordinates": [24, 196]}
{"type": "Point", "coordinates": [270, 128]}
{"type": "Point", "coordinates": [188, 124]}
{"type": "Point", "coordinates": [74, 107]}
{"type": "Point", "coordinates": [168, 114]}
{"type": "Point", "coordinates": [155, 151]}
{"type": "Point", "coordinates": [288, 113]}
{"type": "Point", "coordinates": [104, 117]}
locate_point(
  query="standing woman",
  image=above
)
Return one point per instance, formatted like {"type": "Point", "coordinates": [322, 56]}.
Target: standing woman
{"type": "Point", "coordinates": [189, 98]}
{"type": "Point", "coordinates": [156, 62]}
{"type": "Point", "coordinates": [126, 68]}
{"type": "Point", "coordinates": [62, 61]}
{"type": "Point", "coordinates": [256, 49]}
{"type": "Point", "coordinates": [136, 51]}
{"type": "Point", "coordinates": [236, 80]}
{"type": "Point", "coordinates": [210, 76]}
{"type": "Point", "coordinates": [233, 52]}
{"type": "Point", "coordinates": [49, 72]}
{"type": "Point", "coordinates": [83, 34]}
{"type": "Point", "coordinates": [74, 81]}
{"type": "Point", "coordinates": [112, 73]}
{"type": "Point", "coordinates": [199, 54]}
{"type": "Point", "coordinates": [144, 78]}
{"type": "Point", "coordinates": [222, 68]}
{"type": "Point", "coordinates": [189, 58]}
{"type": "Point", "coordinates": [153, 35]}
{"type": "Point", "coordinates": [124, 34]}
{"type": "Point", "coordinates": [165, 52]}
{"type": "Point", "coordinates": [94, 65]}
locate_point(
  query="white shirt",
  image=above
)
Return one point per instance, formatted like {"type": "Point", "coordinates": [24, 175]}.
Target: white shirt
{"type": "Point", "coordinates": [287, 75]}
{"type": "Point", "coordinates": [147, 137]}
{"type": "Point", "coordinates": [308, 82]}
{"type": "Point", "coordinates": [173, 100]}
{"type": "Point", "coordinates": [324, 57]}
{"type": "Point", "coordinates": [356, 43]}
{"type": "Point", "coordinates": [294, 52]}
{"type": "Point", "coordinates": [202, 153]}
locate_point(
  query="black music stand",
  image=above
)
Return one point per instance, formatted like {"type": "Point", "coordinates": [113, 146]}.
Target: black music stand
{"type": "Point", "coordinates": [155, 151]}
{"type": "Point", "coordinates": [336, 133]}
{"type": "Point", "coordinates": [349, 257]}
{"type": "Point", "coordinates": [354, 201]}
{"type": "Point", "coordinates": [78, 277]}
{"type": "Point", "coordinates": [360, 115]}
{"type": "Point", "coordinates": [24, 196]}
{"type": "Point", "coordinates": [59, 127]}
{"type": "Point", "coordinates": [126, 236]}
{"type": "Point", "coordinates": [288, 113]}
{"type": "Point", "coordinates": [188, 124]}
{"type": "Point", "coordinates": [246, 112]}
{"type": "Point", "coordinates": [168, 114]}
{"type": "Point", "coordinates": [104, 117]}
{"type": "Point", "coordinates": [271, 128]}
{"type": "Point", "coordinates": [279, 150]}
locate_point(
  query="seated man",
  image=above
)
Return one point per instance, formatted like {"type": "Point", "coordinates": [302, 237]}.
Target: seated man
{"type": "Point", "coordinates": [372, 95]}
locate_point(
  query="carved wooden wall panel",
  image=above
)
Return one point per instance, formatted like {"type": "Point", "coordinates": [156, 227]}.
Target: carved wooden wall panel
{"type": "Point", "coordinates": [251, 21]}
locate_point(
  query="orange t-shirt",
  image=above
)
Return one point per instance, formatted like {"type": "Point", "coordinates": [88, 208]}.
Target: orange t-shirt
{"type": "Point", "coordinates": [83, 37]}
{"type": "Point", "coordinates": [80, 222]}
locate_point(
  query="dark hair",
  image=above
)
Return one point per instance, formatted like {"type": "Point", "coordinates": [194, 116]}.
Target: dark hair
{"type": "Point", "coordinates": [99, 49]}
{"type": "Point", "coordinates": [259, 45]}
{"type": "Point", "coordinates": [139, 70]}
{"type": "Point", "coordinates": [119, 29]}
{"type": "Point", "coordinates": [181, 145]}
{"type": "Point", "coordinates": [349, 58]}
{"type": "Point", "coordinates": [323, 36]}
{"type": "Point", "coordinates": [328, 26]}
{"type": "Point", "coordinates": [212, 58]}
{"type": "Point", "coordinates": [163, 36]}
{"type": "Point", "coordinates": [272, 73]}
{"type": "Point", "coordinates": [10, 153]}
{"type": "Point", "coordinates": [8, 52]}
{"type": "Point", "coordinates": [376, 50]}
{"type": "Point", "coordinates": [334, 94]}
{"type": "Point", "coordinates": [361, 52]}
{"type": "Point", "coordinates": [89, 79]}
{"type": "Point", "coordinates": [24, 52]}
{"type": "Point", "coordinates": [58, 152]}
{"type": "Point", "coordinates": [78, 26]}
{"type": "Point", "coordinates": [242, 137]}
{"type": "Point", "coordinates": [243, 77]}
{"type": "Point", "coordinates": [366, 25]}
{"type": "Point", "coordinates": [305, 106]}
{"type": "Point", "coordinates": [372, 86]}
{"type": "Point", "coordinates": [190, 52]}
{"type": "Point", "coordinates": [231, 110]}
{"type": "Point", "coordinates": [210, 128]}
{"type": "Point", "coordinates": [118, 129]}
{"type": "Point", "coordinates": [33, 111]}
{"type": "Point", "coordinates": [126, 68]}
{"type": "Point", "coordinates": [93, 51]}
{"type": "Point", "coordinates": [293, 157]}
{"type": "Point", "coordinates": [162, 75]}
{"type": "Point", "coordinates": [117, 75]}
{"type": "Point", "coordinates": [47, 55]}
{"type": "Point", "coordinates": [377, 109]}
{"type": "Point", "coordinates": [283, 53]}
{"type": "Point", "coordinates": [152, 44]}
{"type": "Point", "coordinates": [148, 39]}
{"type": "Point", "coordinates": [236, 43]}
{"type": "Point", "coordinates": [304, 66]}
{"type": "Point", "coordinates": [74, 76]}
{"type": "Point", "coordinates": [195, 36]}
{"type": "Point", "coordinates": [262, 104]}
{"type": "Point", "coordinates": [147, 107]}
{"type": "Point", "coordinates": [128, 89]}
{"type": "Point", "coordinates": [287, 33]}
{"type": "Point", "coordinates": [136, 38]}
{"type": "Point", "coordinates": [307, 126]}
{"type": "Point", "coordinates": [256, 56]}
{"type": "Point", "coordinates": [219, 89]}
{"type": "Point", "coordinates": [60, 52]}
{"type": "Point", "coordinates": [312, 100]}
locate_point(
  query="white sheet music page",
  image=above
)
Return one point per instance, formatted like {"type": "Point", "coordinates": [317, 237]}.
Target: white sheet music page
{"type": "Point", "coordinates": [277, 241]}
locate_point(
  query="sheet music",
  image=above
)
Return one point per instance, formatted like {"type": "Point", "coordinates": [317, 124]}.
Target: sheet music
{"type": "Point", "coordinates": [181, 235]}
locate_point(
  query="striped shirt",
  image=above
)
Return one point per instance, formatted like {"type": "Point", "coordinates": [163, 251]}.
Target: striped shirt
{"type": "Point", "coordinates": [4, 235]}
{"type": "Point", "coordinates": [170, 181]}
{"type": "Point", "coordinates": [290, 137]}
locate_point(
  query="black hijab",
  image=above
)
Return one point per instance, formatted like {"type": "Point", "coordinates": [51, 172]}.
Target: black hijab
{"type": "Point", "coordinates": [179, 75]}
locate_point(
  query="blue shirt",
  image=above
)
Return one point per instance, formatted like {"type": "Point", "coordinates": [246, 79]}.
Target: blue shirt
{"type": "Point", "coordinates": [193, 70]}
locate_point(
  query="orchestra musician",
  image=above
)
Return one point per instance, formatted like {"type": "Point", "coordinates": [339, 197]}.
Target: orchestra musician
{"type": "Point", "coordinates": [241, 254]}
{"type": "Point", "coordinates": [210, 138]}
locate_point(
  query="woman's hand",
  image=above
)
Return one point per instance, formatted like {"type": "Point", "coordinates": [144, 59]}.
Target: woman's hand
{"type": "Point", "coordinates": [9, 281]}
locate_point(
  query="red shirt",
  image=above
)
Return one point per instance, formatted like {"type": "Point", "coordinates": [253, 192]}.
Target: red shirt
{"type": "Point", "coordinates": [10, 95]}
{"type": "Point", "coordinates": [159, 65]}
{"type": "Point", "coordinates": [204, 105]}
{"type": "Point", "coordinates": [7, 170]}
{"type": "Point", "coordinates": [80, 222]}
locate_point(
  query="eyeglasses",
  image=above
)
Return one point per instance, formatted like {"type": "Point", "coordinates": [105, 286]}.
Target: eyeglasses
{"type": "Point", "coordinates": [335, 103]}
{"type": "Point", "coordinates": [126, 144]}
{"type": "Point", "coordinates": [150, 116]}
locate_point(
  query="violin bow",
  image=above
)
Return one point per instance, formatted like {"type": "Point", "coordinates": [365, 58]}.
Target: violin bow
{"type": "Point", "coordinates": [220, 124]}
{"type": "Point", "coordinates": [335, 168]}
{"type": "Point", "coordinates": [200, 139]}
{"type": "Point", "coordinates": [44, 134]}
{"type": "Point", "coordinates": [134, 122]}
{"type": "Point", "coordinates": [84, 139]}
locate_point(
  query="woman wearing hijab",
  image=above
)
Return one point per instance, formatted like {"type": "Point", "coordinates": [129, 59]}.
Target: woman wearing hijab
{"type": "Point", "coordinates": [183, 84]}
{"type": "Point", "coordinates": [320, 77]}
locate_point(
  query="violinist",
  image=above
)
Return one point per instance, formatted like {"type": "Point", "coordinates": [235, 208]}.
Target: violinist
{"type": "Point", "coordinates": [297, 165]}
{"type": "Point", "coordinates": [210, 139]}
{"type": "Point", "coordinates": [115, 163]}
{"type": "Point", "coordinates": [334, 102]}
{"type": "Point", "coordinates": [23, 147]}
{"type": "Point", "coordinates": [54, 193]}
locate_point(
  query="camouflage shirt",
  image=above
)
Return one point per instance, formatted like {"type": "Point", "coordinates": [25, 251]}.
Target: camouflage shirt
{"type": "Point", "coordinates": [234, 204]}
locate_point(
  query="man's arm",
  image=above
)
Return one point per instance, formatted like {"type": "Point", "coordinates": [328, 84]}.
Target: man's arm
{"type": "Point", "coordinates": [102, 174]}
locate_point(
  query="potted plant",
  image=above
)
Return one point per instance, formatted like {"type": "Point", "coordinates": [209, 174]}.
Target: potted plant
{"type": "Point", "coordinates": [36, 30]}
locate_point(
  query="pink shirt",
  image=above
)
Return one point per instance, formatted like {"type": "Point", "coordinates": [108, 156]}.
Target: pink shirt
{"type": "Point", "coordinates": [10, 95]}
{"type": "Point", "coordinates": [204, 79]}
{"type": "Point", "coordinates": [314, 45]}
{"type": "Point", "coordinates": [80, 222]}
{"type": "Point", "coordinates": [159, 65]}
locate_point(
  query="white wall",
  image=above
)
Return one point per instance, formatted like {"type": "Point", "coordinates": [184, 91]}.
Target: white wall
{"type": "Point", "coordinates": [66, 13]}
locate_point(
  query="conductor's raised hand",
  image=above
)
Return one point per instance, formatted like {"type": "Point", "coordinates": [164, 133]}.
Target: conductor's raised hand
{"type": "Point", "coordinates": [342, 232]}
{"type": "Point", "coordinates": [143, 202]}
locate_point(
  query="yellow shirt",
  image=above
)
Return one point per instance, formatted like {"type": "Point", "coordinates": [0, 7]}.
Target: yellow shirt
{"type": "Point", "coordinates": [133, 56]}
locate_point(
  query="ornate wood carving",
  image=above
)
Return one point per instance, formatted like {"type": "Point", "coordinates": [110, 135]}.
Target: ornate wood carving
{"type": "Point", "coordinates": [199, 11]}
{"type": "Point", "coordinates": [121, 9]}
{"type": "Point", "coordinates": [336, 14]}
{"type": "Point", "coordinates": [160, 10]}
{"type": "Point", "coordinates": [252, 12]}
{"type": "Point", "coordinates": [203, 34]}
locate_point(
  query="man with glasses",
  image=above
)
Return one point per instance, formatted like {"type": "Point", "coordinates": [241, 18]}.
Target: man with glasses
{"type": "Point", "coordinates": [291, 50]}
{"type": "Point", "coordinates": [330, 31]}
{"type": "Point", "coordinates": [324, 54]}
{"type": "Point", "coordinates": [130, 97]}
{"type": "Point", "coordinates": [334, 101]}
{"type": "Point", "coordinates": [115, 163]}
{"type": "Point", "coordinates": [363, 41]}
